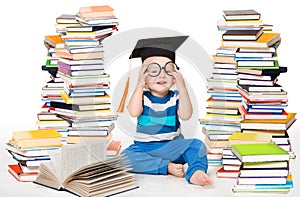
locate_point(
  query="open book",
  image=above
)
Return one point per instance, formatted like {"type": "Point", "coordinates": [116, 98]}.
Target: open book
{"type": "Point", "coordinates": [82, 169]}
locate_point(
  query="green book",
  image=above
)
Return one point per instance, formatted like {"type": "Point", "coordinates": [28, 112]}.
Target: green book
{"type": "Point", "coordinates": [264, 152]}
{"type": "Point", "coordinates": [50, 64]}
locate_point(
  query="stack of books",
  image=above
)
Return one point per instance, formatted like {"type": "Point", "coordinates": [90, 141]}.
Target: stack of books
{"type": "Point", "coordinates": [265, 168]}
{"type": "Point", "coordinates": [222, 117]}
{"type": "Point", "coordinates": [258, 70]}
{"type": "Point", "coordinates": [29, 149]}
{"type": "Point", "coordinates": [51, 91]}
{"type": "Point", "coordinates": [230, 163]}
{"type": "Point", "coordinates": [252, 46]}
{"type": "Point", "coordinates": [86, 104]}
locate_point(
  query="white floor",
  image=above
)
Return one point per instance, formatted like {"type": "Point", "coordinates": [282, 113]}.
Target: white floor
{"type": "Point", "coordinates": [149, 185]}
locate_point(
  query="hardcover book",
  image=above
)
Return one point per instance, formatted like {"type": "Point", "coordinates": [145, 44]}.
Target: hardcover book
{"type": "Point", "coordinates": [246, 14]}
{"type": "Point", "coordinates": [260, 152]}
{"type": "Point", "coordinates": [36, 138]}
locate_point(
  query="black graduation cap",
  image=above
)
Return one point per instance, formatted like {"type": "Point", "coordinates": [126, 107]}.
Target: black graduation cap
{"type": "Point", "coordinates": [160, 46]}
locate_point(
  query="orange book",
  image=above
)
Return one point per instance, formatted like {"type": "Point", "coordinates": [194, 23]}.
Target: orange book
{"type": "Point", "coordinates": [290, 116]}
{"type": "Point", "coordinates": [113, 148]}
{"type": "Point", "coordinates": [54, 41]}
{"type": "Point", "coordinates": [102, 8]}
{"type": "Point", "coordinates": [223, 59]}
{"type": "Point", "coordinates": [79, 56]}
{"type": "Point", "coordinates": [264, 124]}
{"type": "Point", "coordinates": [104, 11]}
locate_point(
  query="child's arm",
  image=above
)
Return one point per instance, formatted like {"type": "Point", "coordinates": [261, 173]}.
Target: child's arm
{"type": "Point", "coordinates": [185, 109]}
{"type": "Point", "coordinates": [135, 105]}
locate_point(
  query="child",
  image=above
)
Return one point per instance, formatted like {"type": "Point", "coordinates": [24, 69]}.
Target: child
{"type": "Point", "coordinates": [159, 147]}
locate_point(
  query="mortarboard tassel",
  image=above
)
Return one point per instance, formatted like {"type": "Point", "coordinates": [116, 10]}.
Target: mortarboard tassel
{"type": "Point", "coordinates": [125, 93]}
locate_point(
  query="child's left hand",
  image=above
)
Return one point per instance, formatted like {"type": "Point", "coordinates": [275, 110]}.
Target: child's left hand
{"type": "Point", "coordinates": [179, 81]}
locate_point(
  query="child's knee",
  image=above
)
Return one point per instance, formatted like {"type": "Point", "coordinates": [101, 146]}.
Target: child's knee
{"type": "Point", "coordinates": [198, 144]}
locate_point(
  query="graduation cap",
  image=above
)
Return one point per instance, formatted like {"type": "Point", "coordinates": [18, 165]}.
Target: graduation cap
{"type": "Point", "coordinates": [161, 46]}
{"type": "Point", "coordinates": [144, 48]}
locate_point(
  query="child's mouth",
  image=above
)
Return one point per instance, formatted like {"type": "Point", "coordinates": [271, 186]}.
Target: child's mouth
{"type": "Point", "coordinates": [161, 82]}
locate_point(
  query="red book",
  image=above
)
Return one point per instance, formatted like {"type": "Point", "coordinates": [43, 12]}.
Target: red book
{"type": "Point", "coordinates": [221, 173]}
{"type": "Point", "coordinates": [259, 116]}
{"type": "Point", "coordinates": [16, 171]}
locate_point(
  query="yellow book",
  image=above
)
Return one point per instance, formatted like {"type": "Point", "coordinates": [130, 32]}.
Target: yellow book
{"type": "Point", "coordinates": [36, 138]}
{"type": "Point", "coordinates": [85, 100]}
{"type": "Point", "coordinates": [249, 138]}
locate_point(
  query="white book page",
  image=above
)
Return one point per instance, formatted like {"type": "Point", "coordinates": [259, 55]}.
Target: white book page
{"type": "Point", "coordinates": [56, 160]}
{"type": "Point", "coordinates": [74, 156]}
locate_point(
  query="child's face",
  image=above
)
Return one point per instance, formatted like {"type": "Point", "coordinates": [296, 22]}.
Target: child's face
{"type": "Point", "coordinates": [161, 83]}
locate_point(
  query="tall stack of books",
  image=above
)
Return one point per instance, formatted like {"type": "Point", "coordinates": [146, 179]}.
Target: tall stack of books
{"type": "Point", "coordinates": [265, 168]}
{"type": "Point", "coordinates": [86, 102]}
{"type": "Point", "coordinates": [253, 46]}
{"type": "Point", "coordinates": [29, 148]}
{"type": "Point", "coordinates": [51, 91]}
{"type": "Point", "coordinates": [222, 117]}
{"type": "Point", "coordinates": [258, 70]}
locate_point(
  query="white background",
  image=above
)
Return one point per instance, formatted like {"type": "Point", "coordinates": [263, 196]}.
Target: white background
{"type": "Point", "coordinates": [25, 23]}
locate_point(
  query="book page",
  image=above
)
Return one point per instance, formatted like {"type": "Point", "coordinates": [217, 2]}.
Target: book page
{"type": "Point", "coordinates": [75, 156]}
{"type": "Point", "coordinates": [56, 159]}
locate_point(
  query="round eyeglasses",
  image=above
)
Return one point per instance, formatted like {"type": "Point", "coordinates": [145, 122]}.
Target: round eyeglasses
{"type": "Point", "coordinates": [154, 69]}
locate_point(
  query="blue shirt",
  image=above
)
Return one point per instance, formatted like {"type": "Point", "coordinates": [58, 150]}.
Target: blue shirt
{"type": "Point", "coordinates": [159, 120]}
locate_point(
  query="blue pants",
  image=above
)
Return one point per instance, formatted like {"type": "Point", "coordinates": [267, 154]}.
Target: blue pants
{"type": "Point", "coordinates": [153, 157]}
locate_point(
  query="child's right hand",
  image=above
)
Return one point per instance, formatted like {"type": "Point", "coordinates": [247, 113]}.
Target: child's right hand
{"type": "Point", "coordinates": [142, 76]}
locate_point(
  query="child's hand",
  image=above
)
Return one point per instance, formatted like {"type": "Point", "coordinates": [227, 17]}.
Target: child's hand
{"type": "Point", "coordinates": [179, 81]}
{"type": "Point", "coordinates": [142, 76]}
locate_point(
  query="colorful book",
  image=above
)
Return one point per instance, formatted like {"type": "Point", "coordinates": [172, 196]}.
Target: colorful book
{"type": "Point", "coordinates": [16, 171]}
{"type": "Point", "coordinates": [221, 173]}
{"type": "Point", "coordinates": [54, 41]}
{"type": "Point", "coordinates": [36, 138]}
{"type": "Point", "coordinates": [260, 152]}
{"type": "Point", "coordinates": [242, 34]}
{"type": "Point", "coordinates": [266, 188]}
{"type": "Point", "coordinates": [269, 124]}
{"type": "Point", "coordinates": [264, 41]}
{"type": "Point", "coordinates": [249, 138]}
{"type": "Point", "coordinates": [246, 14]}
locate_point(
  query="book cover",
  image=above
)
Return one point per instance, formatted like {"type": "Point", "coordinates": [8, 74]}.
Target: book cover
{"type": "Point", "coordinates": [260, 152]}
{"type": "Point", "coordinates": [249, 138]}
{"type": "Point", "coordinates": [102, 8]}
{"type": "Point", "coordinates": [242, 34]}
{"type": "Point", "coordinates": [54, 41]}
{"type": "Point", "coordinates": [36, 138]}
{"type": "Point", "coordinates": [245, 14]}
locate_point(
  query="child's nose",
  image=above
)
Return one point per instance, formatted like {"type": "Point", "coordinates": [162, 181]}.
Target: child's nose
{"type": "Point", "coordinates": [162, 73]}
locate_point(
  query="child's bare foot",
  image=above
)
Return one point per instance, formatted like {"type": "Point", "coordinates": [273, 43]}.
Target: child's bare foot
{"type": "Point", "coordinates": [176, 169]}
{"type": "Point", "coordinates": [200, 178]}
